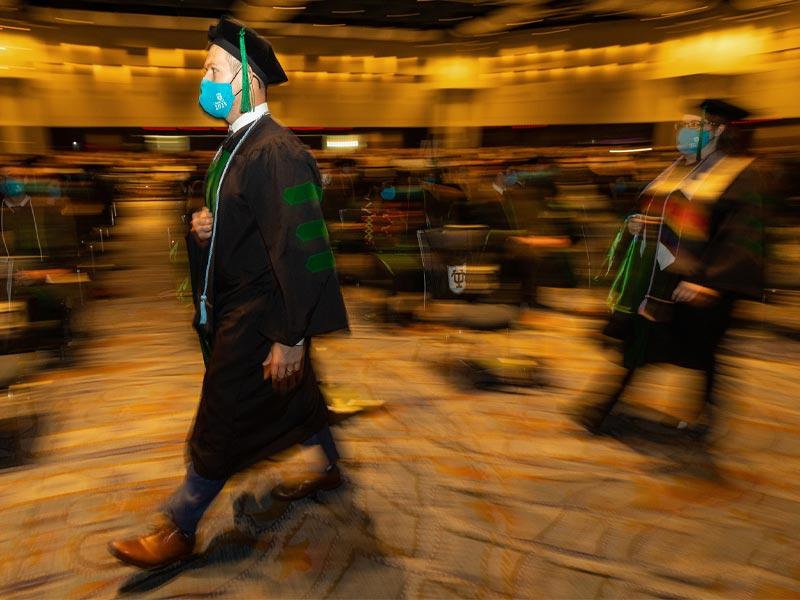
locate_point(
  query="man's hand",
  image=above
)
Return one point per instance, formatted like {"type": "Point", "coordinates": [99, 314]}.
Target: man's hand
{"type": "Point", "coordinates": [284, 365]}
{"type": "Point", "coordinates": [203, 224]}
{"type": "Point", "coordinates": [694, 294]}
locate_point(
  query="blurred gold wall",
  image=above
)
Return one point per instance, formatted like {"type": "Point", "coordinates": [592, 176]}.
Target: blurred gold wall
{"type": "Point", "coordinates": [44, 83]}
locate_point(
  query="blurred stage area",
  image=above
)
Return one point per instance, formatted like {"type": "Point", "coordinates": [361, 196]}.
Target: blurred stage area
{"type": "Point", "coordinates": [479, 159]}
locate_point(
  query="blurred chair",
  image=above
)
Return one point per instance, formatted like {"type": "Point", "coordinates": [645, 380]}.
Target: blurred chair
{"type": "Point", "coordinates": [340, 194]}
{"type": "Point", "coordinates": [450, 256]}
{"type": "Point", "coordinates": [457, 276]}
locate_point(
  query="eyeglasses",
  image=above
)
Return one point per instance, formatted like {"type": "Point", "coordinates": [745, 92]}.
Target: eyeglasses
{"type": "Point", "coordinates": [697, 124]}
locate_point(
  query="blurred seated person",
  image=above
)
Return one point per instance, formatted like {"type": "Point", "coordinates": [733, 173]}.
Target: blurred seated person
{"type": "Point", "coordinates": [486, 206]}
{"type": "Point", "coordinates": [539, 255]}
{"type": "Point", "coordinates": [40, 246]}
{"type": "Point", "coordinates": [36, 226]}
{"type": "Point", "coordinates": [444, 202]}
{"type": "Point", "coordinates": [339, 184]}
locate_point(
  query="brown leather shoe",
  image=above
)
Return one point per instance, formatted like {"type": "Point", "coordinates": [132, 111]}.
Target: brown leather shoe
{"type": "Point", "coordinates": [288, 492]}
{"type": "Point", "coordinates": [165, 545]}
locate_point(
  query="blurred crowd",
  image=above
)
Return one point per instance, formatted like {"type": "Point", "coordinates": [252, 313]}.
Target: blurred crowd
{"type": "Point", "coordinates": [481, 226]}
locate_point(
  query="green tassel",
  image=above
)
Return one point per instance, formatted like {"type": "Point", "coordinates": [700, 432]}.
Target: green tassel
{"type": "Point", "coordinates": [245, 74]}
{"type": "Point", "coordinates": [622, 279]}
{"type": "Point", "coordinates": [612, 251]}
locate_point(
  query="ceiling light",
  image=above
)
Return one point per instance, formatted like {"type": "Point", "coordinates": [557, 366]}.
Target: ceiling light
{"type": "Point", "coordinates": [672, 15]}
{"type": "Point", "coordinates": [75, 21]}
{"type": "Point", "coordinates": [454, 19]}
{"type": "Point", "coordinates": [347, 12]}
{"type": "Point", "coordinates": [692, 22]}
{"type": "Point", "coordinates": [756, 16]}
{"type": "Point", "coordinates": [550, 32]}
{"type": "Point", "coordinates": [629, 150]}
{"type": "Point", "coordinates": [685, 12]}
{"type": "Point", "coordinates": [289, 7]}
{"type": "Point", "coordinates": [519, 23]}
{"type": "Point", "coordinates": [414, 14]}
{"type": "Point", "coordinates": [341, 141]}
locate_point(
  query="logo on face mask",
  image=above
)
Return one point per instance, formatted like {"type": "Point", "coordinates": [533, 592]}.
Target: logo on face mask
{"type": "Point", "coordinates": [220, 104]}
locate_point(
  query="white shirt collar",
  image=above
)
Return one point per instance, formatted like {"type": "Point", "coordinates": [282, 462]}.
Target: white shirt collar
{"type": "Point", "coordinates": [249, 117]}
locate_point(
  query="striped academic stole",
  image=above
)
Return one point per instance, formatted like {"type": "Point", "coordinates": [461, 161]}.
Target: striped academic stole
{"type": "Point", "coordinates": [686, 213]}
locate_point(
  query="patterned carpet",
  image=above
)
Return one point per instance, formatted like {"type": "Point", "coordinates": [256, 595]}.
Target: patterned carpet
{"type": "Point", "coordinates": [452, 491]}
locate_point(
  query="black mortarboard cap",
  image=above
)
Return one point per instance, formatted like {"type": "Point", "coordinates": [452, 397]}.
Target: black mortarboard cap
{"type": "Point", "coordinates": [724, 110]}
{"type": "Point", "coordinates": [260, 55]}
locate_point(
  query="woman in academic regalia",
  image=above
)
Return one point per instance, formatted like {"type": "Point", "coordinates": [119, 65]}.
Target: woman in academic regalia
{"type": "Point", "coordinates": [697, 246]}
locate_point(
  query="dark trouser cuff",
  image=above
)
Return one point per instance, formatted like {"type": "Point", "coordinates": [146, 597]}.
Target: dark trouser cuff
{"type": "Point", "coordinates": [191, 500]}
{"type": "Point", "coordinates": [324, 439]}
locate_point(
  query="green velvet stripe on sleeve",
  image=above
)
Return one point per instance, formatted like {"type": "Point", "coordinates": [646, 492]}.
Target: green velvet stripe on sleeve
{"type": "Point", "coordinates": [300, 194]}
{"type": "Point", "coordinates": [312, 230]}
{"type": "Point", "coordinates": [320, 262]}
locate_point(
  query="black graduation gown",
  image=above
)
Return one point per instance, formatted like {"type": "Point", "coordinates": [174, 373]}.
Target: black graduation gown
{"type": "Point", "coordinates": [273, 280]}
{"type": "Point", "coordinates": [730, 260]}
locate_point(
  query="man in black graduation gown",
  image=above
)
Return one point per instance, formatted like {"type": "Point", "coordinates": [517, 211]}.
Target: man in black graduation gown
{"type": "Point", "coordinates": [698, 247]}
{"type": "Point", "coordinates": [264, 282]}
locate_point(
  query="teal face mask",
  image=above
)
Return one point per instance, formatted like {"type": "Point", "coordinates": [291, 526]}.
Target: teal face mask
{"type": "Point", "coordinates": [688, 139]}
{"type": "Point", "coordinates": [216, 98]}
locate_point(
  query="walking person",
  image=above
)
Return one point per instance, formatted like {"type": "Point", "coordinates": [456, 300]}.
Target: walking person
{"type": "Point", "coordinates": [264, 285]}
{"type": "Point", "coordinates": [697, 247]}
